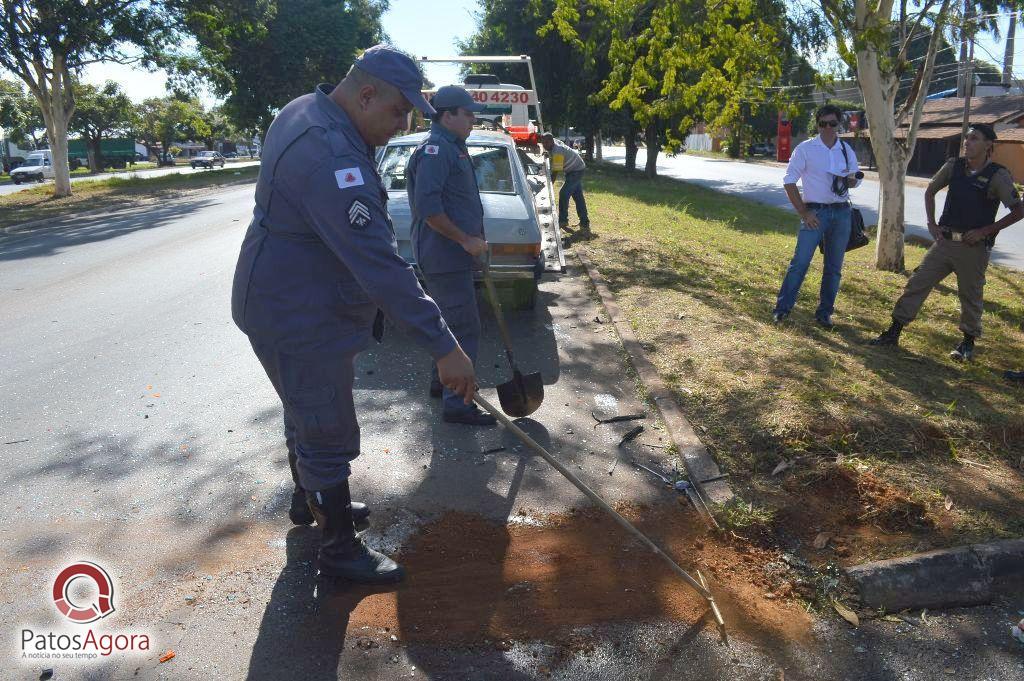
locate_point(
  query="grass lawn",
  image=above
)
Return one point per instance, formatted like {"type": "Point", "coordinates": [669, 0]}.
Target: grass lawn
{"type": "Point", "coordinates": [38, 203]}
{"type": "Point", "coordinates": [885, 451]}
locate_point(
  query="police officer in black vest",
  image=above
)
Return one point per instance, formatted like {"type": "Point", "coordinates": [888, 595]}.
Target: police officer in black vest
{"type": "Point", "coordinates": [964, 236]}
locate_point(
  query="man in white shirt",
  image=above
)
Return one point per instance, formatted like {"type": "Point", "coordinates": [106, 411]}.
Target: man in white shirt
{"type": "Point", "coordinates": [826, 168]}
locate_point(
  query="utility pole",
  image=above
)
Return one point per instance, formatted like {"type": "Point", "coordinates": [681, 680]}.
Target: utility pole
{"type": "Point", "coordinates": [969, 79]}
{"type": "Point", "coordinates": [1011, 32]}
{"type": "Point", "coordinates": [961, 81]}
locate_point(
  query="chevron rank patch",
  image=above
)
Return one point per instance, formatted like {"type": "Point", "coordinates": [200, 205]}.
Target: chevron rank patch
{"type": "Point", "coordinates": [430, 149]}
{"type": "Point", "coordinates": [358, 214]}
{"type": "Point", "coordinates": [348, 177]}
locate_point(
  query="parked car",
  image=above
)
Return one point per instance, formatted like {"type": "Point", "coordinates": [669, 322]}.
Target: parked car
{"type": "Point", "coordinates": [510, 214]}
{"type": "Point", "coordinates": [230, 154]}
{"type": "Point", "coordinates": [762, 149]}
{"type": "Point", "coordinates": [207, 159]}
{"type": "Point", "coordinates": [37, 166]}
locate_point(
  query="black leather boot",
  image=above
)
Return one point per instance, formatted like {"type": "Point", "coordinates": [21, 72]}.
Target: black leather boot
{"type": "Point", "coordinates": [342, 552]}
{"type": "Point", "coordinates": [890, 336]}
{"type": "Point", "coordinates": [299, 512]}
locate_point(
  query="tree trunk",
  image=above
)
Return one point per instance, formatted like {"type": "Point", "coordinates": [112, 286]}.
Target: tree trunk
{"type": "Point", "coordinates": [56, 103]}
{"type": "Point", "coordinates": [651, 140]}
{"type": "Point", "coordinates": [631, 147]}
{"type": "Point", "coordinates": [598, 143]}
{"type": "Point", "coordinates": [891, 156]}
{"type": "Point", "coordinates": [589, 147]}
{"type": "Point", "coordinates": [892, 175]}
{"type": "Point", "coordinates": [95, 156]}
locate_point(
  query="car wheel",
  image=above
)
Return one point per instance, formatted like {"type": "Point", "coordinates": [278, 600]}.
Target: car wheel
{"type": "Point", "coordinates": [40, 179]}
{"type": "Point", "coordinates": [17, 180]}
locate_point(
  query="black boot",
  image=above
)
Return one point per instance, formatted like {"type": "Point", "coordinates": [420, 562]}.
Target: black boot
{"type": "Point", "coordinates": [965, 351]}
{"type": "Point", "coordinates": [299, 510]}
{"type": "Point", "coordinates": [891, 336]}
{"type": "Point", "coordinates": [342, 552]}
{"type": "Point", "coordinates": [300, 514]}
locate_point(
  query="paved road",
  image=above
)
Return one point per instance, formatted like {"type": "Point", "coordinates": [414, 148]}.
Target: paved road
{"type": "Point", "coordinates": [11, 188]}
{"type": "Point", "coordinates": [763, 183]}
{"type": "Point", "coordinates": [137, 430]}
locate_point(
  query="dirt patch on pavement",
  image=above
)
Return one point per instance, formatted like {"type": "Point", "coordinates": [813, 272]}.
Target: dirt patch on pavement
{"type": "Point", "coordinates": [471, 580]}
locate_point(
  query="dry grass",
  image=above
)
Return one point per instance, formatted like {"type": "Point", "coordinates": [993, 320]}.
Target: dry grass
{"type": "Point", "coordinates": [38, 203]}
{"type": "Point", "coordinates": [697, 273]}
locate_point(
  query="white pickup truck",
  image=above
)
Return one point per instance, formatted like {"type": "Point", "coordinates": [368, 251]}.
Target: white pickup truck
{"type": "Point", "coordinates": [38, 166]}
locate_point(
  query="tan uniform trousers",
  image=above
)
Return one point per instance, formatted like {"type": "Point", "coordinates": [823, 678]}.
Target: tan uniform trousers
{"type": "Point", "coordinates": [968, 262]}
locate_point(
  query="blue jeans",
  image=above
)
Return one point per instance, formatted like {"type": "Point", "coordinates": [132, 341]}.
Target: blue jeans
{"type": "Point", "coordinates": [572, 188]}
{"type": "Point", "coordinates": [834, 229]}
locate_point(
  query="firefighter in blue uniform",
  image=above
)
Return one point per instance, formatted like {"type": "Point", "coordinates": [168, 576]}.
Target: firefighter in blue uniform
{"type": "Point", "coordinates": [448, 229]}
{"type": "Point", "coordinates": [318, 267]}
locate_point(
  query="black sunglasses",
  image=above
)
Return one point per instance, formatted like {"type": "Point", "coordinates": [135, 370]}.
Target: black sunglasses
{"type": "Point", "coordinates": [830, 124]}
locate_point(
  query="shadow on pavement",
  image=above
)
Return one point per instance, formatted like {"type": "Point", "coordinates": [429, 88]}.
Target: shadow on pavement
{"type": "Point", "coordinates": [303, 631]}
{"type": "Point", "coordinates": [68, 232]}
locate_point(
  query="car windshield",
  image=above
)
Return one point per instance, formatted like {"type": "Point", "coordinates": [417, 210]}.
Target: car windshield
{"type": "Point", "coordinates": [392, 166]}
{"type": "Point", "coordinates": [493, 169]}
{"type": "Point", "coordinates": [491, 163]}
{"type": "Point", "coordinates": [206, 154]}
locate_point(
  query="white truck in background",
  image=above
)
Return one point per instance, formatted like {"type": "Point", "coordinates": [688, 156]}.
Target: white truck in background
{"type": "Point", "coordinates": [38, 166]}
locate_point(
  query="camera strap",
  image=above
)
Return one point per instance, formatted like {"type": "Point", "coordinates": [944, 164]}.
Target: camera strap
{"type": "Point", "coordinates": [839, 187]}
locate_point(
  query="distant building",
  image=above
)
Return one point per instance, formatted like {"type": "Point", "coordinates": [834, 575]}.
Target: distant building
{"type": "Point", "coordinates": [938, 137]}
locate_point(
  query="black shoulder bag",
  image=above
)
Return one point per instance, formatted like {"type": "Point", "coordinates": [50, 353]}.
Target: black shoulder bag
{"type": "Point", "coordinates": [858, 238]}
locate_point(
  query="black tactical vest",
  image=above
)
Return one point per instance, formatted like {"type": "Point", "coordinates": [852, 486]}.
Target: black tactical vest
{"type": "Point", "coordinates": [968, 205]}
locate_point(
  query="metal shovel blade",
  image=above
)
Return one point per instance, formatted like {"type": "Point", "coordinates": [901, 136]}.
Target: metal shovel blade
{"type": "Point", "coordinates": [522, 395]}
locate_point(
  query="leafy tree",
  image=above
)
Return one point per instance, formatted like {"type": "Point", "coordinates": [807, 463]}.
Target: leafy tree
{"type": "Point", "coordinates": [676, 63]}
{"type": "Point", "coordinates": [100, 112]}
{"type": "Point", "coordinates": [164, 121]}
{"type": "Point", "coordinates": [20, 116]}
{"type": "Point", "coordinates": [260, 55]}
{"type": "Point", "coordinates": [221, 128]}
{"type": "Point", "coordinates": [44, 42]}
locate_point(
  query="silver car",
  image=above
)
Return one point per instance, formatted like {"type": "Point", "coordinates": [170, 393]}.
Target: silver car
{"type": "Point", "coordinates": [511, 186]}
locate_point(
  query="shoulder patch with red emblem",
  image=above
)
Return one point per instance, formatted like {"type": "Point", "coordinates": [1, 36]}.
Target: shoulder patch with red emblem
{"type": "Point", "coordinates": [348, 177]}
{"type": "Point", "coordinates": [430, 149]}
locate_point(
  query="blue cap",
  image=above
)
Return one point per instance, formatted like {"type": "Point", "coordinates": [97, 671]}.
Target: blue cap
{"type": "Point", "coordinates": [398, 69]}
{"type": "Point", "coordinates": [452, 96]}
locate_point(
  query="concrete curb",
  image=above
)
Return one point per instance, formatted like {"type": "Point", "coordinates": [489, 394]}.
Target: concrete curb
{"type": "Point", "coordinates": [960, 576]}
{"type": "Point", "coordinates": [700, 466]}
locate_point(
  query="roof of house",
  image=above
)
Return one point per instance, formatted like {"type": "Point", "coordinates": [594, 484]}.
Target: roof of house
{"type": "Point", "coordinates": [933, 133]}
{"type": "Point", "coordinates": [1010, 135]}
{"type": "Point", "coordinates": [950, 111]}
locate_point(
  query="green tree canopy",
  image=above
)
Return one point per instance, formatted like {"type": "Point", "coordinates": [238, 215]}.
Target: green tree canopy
{"type": "Point", "coordinates": [100, 112]}
{"type": "Point", "coordinates": [260, 55]}
{"type": "Point", "coordinates": [20, 116]}
{"type": "Point", "coordinates": [166, 120]}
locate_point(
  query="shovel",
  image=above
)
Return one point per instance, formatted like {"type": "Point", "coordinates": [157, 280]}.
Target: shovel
{"type": "Point", "coordinates": [523, 394]}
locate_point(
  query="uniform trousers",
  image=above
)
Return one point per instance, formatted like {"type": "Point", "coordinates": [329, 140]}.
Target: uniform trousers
{"type": "Point", "coordinates": [968, 262]}
{"type": "Point", "coordinates": [455, 295]}
{"type": "Point", "coordinates": [319, 411]}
